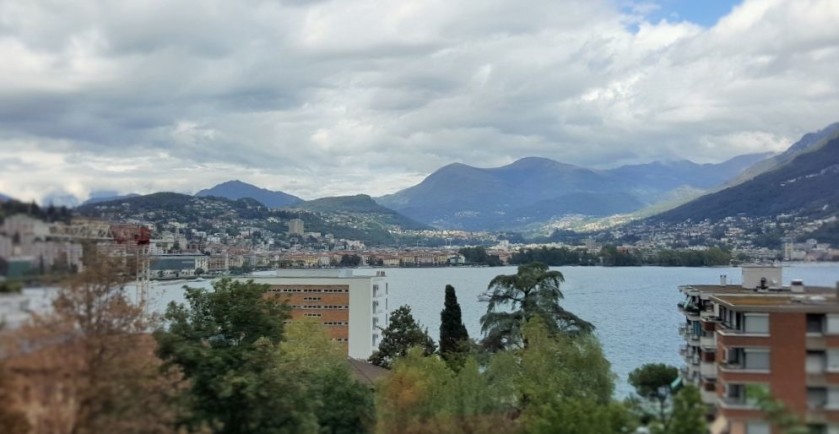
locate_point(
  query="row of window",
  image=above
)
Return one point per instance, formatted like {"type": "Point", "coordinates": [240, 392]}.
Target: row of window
{"type": "Point", "coordinates": [319, 306]}
{"type": "Point", "coordinates": [310, 290]}
{"type": "Point", "coordinates": [340, 339]}
{"type": "Point", "coordinates": [311, 298]}
{"type": "Point", "coordinates": [758, 323]}
{"type": "Point", "coordinates": [817, 362]}
{"type": "Point", "coordinates": [336, 323]}
{"type": "Point", "coordinates": [326, 323]}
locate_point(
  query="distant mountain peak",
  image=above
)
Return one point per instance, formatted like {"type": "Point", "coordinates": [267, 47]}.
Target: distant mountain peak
{"type": "Point", "coordinates": [236, 189]}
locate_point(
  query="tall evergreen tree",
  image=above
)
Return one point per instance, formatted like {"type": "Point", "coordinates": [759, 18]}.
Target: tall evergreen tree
{"type": "Point", "coordinates": [453, 334]}
{"type": "Point", "coordinates": [402, 333]}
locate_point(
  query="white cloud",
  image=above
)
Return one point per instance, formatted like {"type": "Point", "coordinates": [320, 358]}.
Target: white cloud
{"type": "Point", "coordinates": [347, 96]}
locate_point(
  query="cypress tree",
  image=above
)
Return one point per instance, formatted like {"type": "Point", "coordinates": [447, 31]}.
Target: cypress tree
{"type": "Point", "coordinates": [453, 333]}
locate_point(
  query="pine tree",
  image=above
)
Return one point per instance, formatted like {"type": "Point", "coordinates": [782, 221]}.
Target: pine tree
{"type": "Point", "coordinates": [402, 333]}
{"type": "Point", "coordinates": [453, 335]}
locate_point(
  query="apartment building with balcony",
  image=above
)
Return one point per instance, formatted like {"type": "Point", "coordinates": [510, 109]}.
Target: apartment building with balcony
{"type": "Point", "coordinates": [352, 307]}
{"type": "Point", "coordinates": [762, 335]}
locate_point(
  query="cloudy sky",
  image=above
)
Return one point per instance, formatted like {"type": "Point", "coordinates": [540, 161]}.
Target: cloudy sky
{"type": "Point", "coordinates": [330, 97]}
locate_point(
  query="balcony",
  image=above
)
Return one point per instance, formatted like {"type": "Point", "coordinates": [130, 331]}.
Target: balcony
{"type": "Point", "coordinates": [708, 369]}
{"type": "Point", "coordinates": [736, 402]}
{"type": "Point", "coordinates": [708, 342]}
{"type": "Point", "coordinates": [709, 316]}
{"type": "Point", "coordinates": [708, 396]}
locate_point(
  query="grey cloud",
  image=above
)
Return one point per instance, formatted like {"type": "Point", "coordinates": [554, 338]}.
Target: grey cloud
{"type": "Point", "coordinates": [341, 96]}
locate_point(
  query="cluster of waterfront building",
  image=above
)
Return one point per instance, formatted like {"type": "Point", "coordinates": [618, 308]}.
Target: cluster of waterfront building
{"type": "Point", "coordinates": [762, 337]}
{"type": "Point", "coordinates": [30, 245]}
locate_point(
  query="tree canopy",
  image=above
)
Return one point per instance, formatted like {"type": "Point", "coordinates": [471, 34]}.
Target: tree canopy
{"type": "Point", "coordinates": [514, 299]}
{"type": "Point", "coordinates": [225, 343]}
{"type": "Point", "coordinates": [652, 382]}
{"type": "Point", "coordinates": [402, 333]}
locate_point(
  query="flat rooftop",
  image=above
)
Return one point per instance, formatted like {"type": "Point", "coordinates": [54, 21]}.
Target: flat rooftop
{"type": "Point", "coordinates": [780, 302]}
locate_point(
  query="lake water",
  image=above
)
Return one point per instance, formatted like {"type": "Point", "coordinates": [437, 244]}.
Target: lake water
{"type": "Point", "coordinates": [633, 308]}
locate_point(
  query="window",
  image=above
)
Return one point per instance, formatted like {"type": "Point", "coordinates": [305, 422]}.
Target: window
{"type": "Point", "coordinates": [815, 323]}
{"type": "Point", "coordinates": [816, 362]}
{"type": "Point", "coordinates": [816, 397]}
{"type": "Point", "coordinates": [833, 398]}
{"type": "Point", "coordinates": [833, 360]}
{"type": "Point", "coordinates": [757, 323]}
{"type": "Point", "coordinates": [832, 324]}
{"type": "Point", "coordinates": [758, 428]}
{"type": "Point", "coordinates": [756, 359]}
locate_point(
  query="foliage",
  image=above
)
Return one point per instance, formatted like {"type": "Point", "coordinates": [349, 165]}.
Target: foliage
{"type": "Point", "coordinates": [92, 353]}
{"type": "Point", "coordinates": [652, 382]}
{"type": "Point", "coordinates": [478, 256]}
{"type": "Point", "coordinates": [350, 260]}
{"type": "Point", "coordinates": [339, 403]}
{"type": "Point", "coordinates": [612, 256]}
{"type": "Point", "coordinates": [556, 384]}
{"type": "Point", "coordinates": [12, 418]}
{"type": "Point", "coordinates": [554, 256]}
{"type": "Point", "coordinates": [402, 333]}
{"type": "Point", "coordinates": [777, 413]}
{"type": "Point", "coordinates": [713, 256]}
{"type": "Point", "coordinates": [515, 299]}
{"type": "Point", "coordinates": [11, 287]}
{"type": "Point", "coordinates": [226, 345]}
{"type": "Point", "coordinates": [48, 214]}
{"type": "Point", "coordinates": [453, 334]}
{"type": "Point", "coordinates": [688, 412]}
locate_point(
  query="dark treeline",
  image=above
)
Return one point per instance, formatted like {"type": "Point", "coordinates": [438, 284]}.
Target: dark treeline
{"type": "Point", "coordinates": [615, 257]}
{"type": "Point", "coordinates": [554, 256]}
{"type": "Point", "coordinates": [49, 214]}
{"type": "Point", "coordinates": [479, 256]}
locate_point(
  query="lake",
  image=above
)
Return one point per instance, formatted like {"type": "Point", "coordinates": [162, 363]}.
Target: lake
{"type": "Point", "coordinates": [633, 308]}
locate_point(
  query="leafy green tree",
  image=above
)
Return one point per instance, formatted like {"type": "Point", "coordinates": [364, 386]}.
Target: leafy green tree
{"type": "Point", "coordinates": [688, 412]}
{"type": "Point", "coordinates": [402, 333]}
{"type": "Point", "coordinates": [423, 394]}
{"type": "Point", "coordinates": [453, 335]}
{"type": "Point", "coordinates": [515, 299]}
{"type": "Point", "coordinates": [652, 382]}
{"type": "Point", "coordinates": [340, 403]}
{"type": "Point", "coordinates": [226, 344]}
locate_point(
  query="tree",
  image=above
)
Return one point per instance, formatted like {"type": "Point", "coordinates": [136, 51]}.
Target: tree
{"type": "Point", "coordinates": [341, 404]}
{"type": "Point", "coordinates": [12, 419]}
{"type": "Point", "coordinates": [89, 363]}
{"type": "Point", "coordinates": [688, 412]}
{"type": "Point", "coordinates": [652, 382]}
{"type": "Point", "coordinates": [777, 413]}
{"type": "Point", "coordinates": [515, 299]}
{"type": "Point", "coordinates": [226, 343]}
{"type": "Point", "coordinates": [401, 334]}
{"type": "Point", "coordinates": [453, 334]}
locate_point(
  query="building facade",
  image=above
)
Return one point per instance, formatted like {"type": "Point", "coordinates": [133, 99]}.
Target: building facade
{"type": "Point", "coordinates": [352, 307]}
{"type": "Point", "coordinates": [744, 340]}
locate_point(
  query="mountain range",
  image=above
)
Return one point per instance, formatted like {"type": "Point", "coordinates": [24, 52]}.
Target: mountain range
{"type": "Point", "coordinates": [803, 179]}
{"type": "Point", "coordinates": [534, 190]}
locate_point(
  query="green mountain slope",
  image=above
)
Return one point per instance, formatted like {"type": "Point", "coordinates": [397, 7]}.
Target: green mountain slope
{"type": "Point", "coordinates": [808, 183]}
